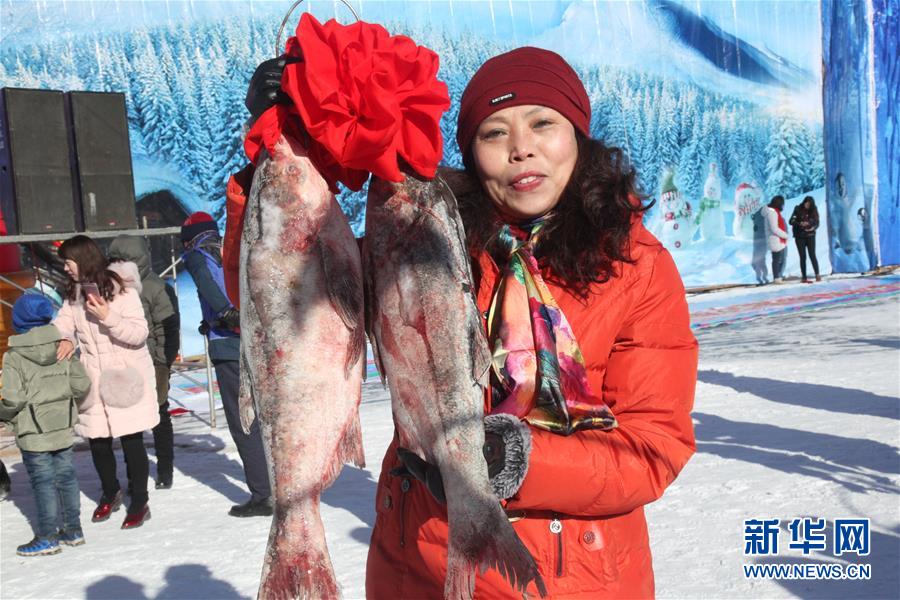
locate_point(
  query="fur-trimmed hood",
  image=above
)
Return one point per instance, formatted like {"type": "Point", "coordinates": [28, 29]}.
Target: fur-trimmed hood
{"type": "Point", "coordinates": [130, 274]}
{"type": "Point", "coordinates": [133, 248]}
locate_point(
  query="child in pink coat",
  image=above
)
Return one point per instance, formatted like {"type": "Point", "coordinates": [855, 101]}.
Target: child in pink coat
{"type": "Point", "coordinates": [103, 314]}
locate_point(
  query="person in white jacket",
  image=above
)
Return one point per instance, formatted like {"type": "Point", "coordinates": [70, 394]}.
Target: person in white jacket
{"type": "Point", "coordinates": [777, 236]}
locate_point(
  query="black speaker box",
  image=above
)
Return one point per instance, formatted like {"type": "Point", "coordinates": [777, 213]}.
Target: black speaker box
{"type": "Point", "coordinates": [36, 180]}
{"type": "Point", "coordinates": [102, 154]}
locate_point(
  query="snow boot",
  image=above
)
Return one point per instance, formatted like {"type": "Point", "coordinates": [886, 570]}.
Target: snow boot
{"type": "Point", "coordinates": [39, 546]}
{"type": "Point", "coordinates": [71, 537]}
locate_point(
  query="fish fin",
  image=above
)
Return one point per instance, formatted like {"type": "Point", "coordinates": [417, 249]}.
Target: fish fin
{"type": "Point", "coordinates": [371, 306]}
{"type": "Point", "coordinates": [246, 407]}
{"type": "Point", "coordinates": [356, 351]}
{"type": "Point", "coordinates": [349, 450]}
{"type": "Point", "coordinates": [481, 356]}
{"type": "Point", "coordinates": [346, 295]}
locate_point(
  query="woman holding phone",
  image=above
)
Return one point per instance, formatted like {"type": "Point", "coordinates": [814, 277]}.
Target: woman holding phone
{"type": "Point", "coordinates": [103, 314]}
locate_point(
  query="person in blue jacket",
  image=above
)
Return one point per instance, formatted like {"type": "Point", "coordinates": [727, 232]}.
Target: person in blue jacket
{"type": "Point", "coordinates": [221, 322]}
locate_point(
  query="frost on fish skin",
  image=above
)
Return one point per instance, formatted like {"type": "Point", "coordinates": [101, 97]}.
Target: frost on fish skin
{"type": "Point", "coordinates": [301, 288]}
{"type": "Point", "coordinates": [427, 334]}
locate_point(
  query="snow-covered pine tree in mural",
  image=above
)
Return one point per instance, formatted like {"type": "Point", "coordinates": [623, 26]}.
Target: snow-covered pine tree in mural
{"type": "Point", "coordinates": [185, 85]}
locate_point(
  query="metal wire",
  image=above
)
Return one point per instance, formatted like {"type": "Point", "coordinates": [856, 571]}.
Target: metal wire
{"type": "Point", "coordinates": [278, 48]}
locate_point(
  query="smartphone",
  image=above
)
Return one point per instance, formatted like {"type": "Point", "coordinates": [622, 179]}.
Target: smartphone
{"type": "Point", "coordinates": [90, 289]}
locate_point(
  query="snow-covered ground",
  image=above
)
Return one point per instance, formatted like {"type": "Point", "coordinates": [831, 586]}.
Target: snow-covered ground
{"type": "Point", "coordinates": [796, 415]}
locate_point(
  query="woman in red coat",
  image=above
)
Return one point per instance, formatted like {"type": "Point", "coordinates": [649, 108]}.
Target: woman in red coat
{"type": "Point", "coordinates": [594, 362]}
{"type": "Point", "coordinates": [599, 373]}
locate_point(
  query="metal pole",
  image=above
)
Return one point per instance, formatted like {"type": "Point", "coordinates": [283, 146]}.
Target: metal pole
{"type": "Point", "coordinates": [12, 283]}
{"type": "Point", "coordinates": [209, 384]}
{"type": "Point", "coordinates": [175, 287]}
{"type": "Point", "coordinates": [59, 236]}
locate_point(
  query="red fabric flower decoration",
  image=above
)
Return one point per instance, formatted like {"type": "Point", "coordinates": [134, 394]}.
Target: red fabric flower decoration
{"type": "Point", "coordinates": [285, 120]}
{"type": "Point", "coordinates": [365, 97]}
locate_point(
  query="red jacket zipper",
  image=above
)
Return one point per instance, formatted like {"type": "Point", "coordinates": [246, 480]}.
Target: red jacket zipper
{"type": "Point", "coordinates": [556, 528]}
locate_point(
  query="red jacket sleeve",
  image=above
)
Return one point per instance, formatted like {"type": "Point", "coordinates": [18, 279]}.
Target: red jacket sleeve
{"type": "Point", "coordinates": [649, 384]}
{"type": "Point", "coordinates": [236, 193]}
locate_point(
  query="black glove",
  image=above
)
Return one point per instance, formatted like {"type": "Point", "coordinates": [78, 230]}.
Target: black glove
{"type": "Point", "coordinates": [229, 319]}
{"type": "Point", "coordinates": [265, 90]}
{"type": "Point", "coordinates": [204, 328]}
{"type": "Point", "coordinates": [422, 470]}
{"type": "Point", "coordinates": [507, 447]}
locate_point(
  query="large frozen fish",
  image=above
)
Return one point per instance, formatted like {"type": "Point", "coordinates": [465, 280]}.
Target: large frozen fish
{"type": "Point", "coordinates": [431, 347]}
{"type": "Point", "coordinates": [302, 347]}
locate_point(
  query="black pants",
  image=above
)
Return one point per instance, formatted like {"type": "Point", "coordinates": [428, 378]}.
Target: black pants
{"type": "Point", "coordinates": [163, 437]}
{"type": "Point", "coordinates": [778, 260]}
{"type": "Point", "coordinates": [804, 245]}
{"type": "Point", "coordinates": [249, 445]}
{"type": "Point", "coordinates": [136, 460]}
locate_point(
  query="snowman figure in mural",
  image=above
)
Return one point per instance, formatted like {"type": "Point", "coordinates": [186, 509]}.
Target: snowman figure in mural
{"type": "Point", "coordinates": [747, 202]}
{"type": "Point", "coordinates": [710, 218]}
{"type": "Point", "coordinates": [677, 217]}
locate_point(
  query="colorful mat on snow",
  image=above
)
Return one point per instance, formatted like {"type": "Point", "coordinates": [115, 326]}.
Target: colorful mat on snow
{"type": "Point", "coordinates": [708, 310]}
{"type": "Point", "coordinates": [730, 308]}
{"type": "Point", "coordinates": [180, 385]}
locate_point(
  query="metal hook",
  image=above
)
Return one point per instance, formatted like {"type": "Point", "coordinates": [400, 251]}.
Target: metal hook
{"type": "Point", "coordinates": [278, 48]}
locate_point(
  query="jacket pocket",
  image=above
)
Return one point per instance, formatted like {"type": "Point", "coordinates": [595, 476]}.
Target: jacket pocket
{"type": "Point", "coordinates": [23, 423]}
{"type": "Point", "coordinates": [51, 416]}
{"type": "Point", "coordinates": [121, 387]}
{"type": "Point", "coordinates": [598, 544]}
{"type": "Point", "coordinates": [390, 506]}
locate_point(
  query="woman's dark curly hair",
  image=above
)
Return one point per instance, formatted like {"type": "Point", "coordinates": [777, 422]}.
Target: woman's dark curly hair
{"type": "Point", "coordinates": [92, 266]}
{"type": "Point", "coordinates": [590, 230]}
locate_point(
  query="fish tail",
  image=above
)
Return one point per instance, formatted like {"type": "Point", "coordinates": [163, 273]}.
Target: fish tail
{"type": "Point", "coordinates": [490, 543]}
{"type": "Point", "coordinates": [460, 581]}
{"type": "Point", "coordinates": [297, 564]}
{"type": "Point", "coordinates": [509, 556]}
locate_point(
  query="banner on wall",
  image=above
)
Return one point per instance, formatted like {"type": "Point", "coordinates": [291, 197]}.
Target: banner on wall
{"type": "Point", "coordinates": [850, 144]}
{"type": "Point", "coordinates": [886, 63]}
{"type": "Point", "coordinates": [718, 105]}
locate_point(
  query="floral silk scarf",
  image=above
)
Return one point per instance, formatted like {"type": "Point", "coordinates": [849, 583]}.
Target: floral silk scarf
{"type": "Point", "coordinates": [538, 369]}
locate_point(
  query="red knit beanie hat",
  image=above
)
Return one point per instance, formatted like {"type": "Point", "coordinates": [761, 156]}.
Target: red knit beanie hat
{"type": "Point", "coordinates": [522, 76]}
{"type": "Point", "coordinates": [196, 224]}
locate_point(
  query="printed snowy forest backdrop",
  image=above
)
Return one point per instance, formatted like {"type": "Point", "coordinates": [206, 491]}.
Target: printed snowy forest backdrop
{"type": "Point", "coordinates": [718, 107]}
